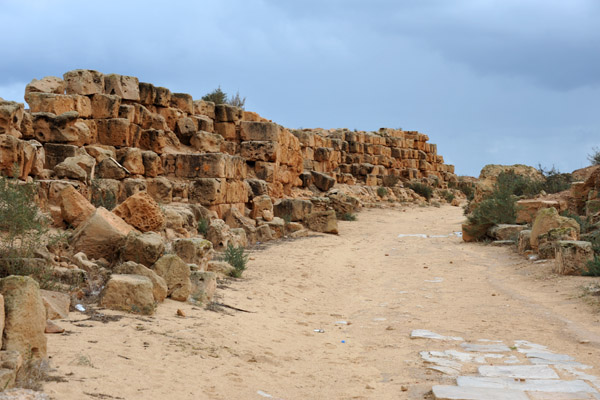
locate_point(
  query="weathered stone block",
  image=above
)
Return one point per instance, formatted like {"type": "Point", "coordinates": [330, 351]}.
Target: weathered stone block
{"type": "Point", "coordinates": [322, 221]}
{"type": "Point", "coordinates": [177, 275]}
{"type": "Point", "coordinates": [142, 212]}
{"type": "Point", "coordinates": [202, 107]}
{"type": "Point", "coordinates": [259, 151]}
{"type": "Point", "coordinates": [114, 132]}
{"type": "Point", "coordinates": [210, 165]}
{"type": "Point", "coordinates": [572, 256]}
{"type": "Point", "coordinates": [322, 181]}
{"type": "Point", "coordinates": [126, 87]}
{"type": "Point", "coordinates": [105, 106]}
{"type": "Point", "coordinates": [204, 286]}
{"type": "Point", "coordinates": [145, 248]}
{"type": "Point", "coordinates": [131, 293]}
{"type": "Point", "coordinates": [206, 142]}
{"type": "Point", "coordinates": [50, 103]}
{"type": "Point", "coordinates": [159, 286]}
{"type": "Point", "coordinates": [183, 101]}
{"type": "Point", "coordinates": [547, 219]}
{"type": "Point", "coordinates": [259, 131]}
{"type": "Point", "coordinates": [294, 209]}
{"type": "Point", "coordinates": [84, 82]}
{"type": "Point", "coordinates": [227, 113]}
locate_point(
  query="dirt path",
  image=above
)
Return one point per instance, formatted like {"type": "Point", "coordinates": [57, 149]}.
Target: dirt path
{"type": "Point", "coordinates": [383, 286]}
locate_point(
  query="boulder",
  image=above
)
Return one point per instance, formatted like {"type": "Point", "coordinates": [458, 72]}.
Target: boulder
{"type": "Point", "coordinates": [193, 250]}
{"type": "Point", "coordinates": [204, 285]}
{"type": "Point", "coordinates": [489, 175]}
{"type": "Point", "coordinates": [131, 293]}
{"type": "Point", "coordinates": [176, 273]}
{"type": "Point", "coordinates": [74, 208]}
{"type": "Point", "coordinates": [547, 219]}
{"type": "Point", "coordinates": [142, 212]}
{"type": "Point", "coordinates": [322, 221]}
{"type": "Point", "coordinates": [101, 235]}
{"type": "Point", "coordinates": [159, 285]}
{"type": "Point", "coordinates": [293, 209]}
{"type": "Point", "coordinates": [342, 203]}
{"type": "Point", "coordinates": [572, 256]}
{"type": "Point", "coordinates": [143, 248]}
{"type": "Point", "coordinates": [506, 231]}
{"type": "Point", "coordinates": [25, 317]}
{"type": "Point", "coordinates": [323, 182]}
{"type": "Point", "coordinates": [56, 303]}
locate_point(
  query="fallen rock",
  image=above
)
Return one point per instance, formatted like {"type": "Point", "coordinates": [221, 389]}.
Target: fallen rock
{"type": "Point", "coordinates": [572, 256]}
{"type": "Point", "coordinates": [322, 181]}
{"type": "Point", "coordinates": [524, 243]}
{"type": "Point", "coordinates": [159, 285]}
{"type": "Point", "coordinates": [176, 274]}
{"type": "Point", "coordinates": [221, 268]}
{"type": "Point", "coordinates": [547, 219]}
{"type": "Point", "coordinates": [262, 207]}
{"type": "Point", "coordinates": [528, 209]}
{"type": "Point", "coordinates": [204, 285]}
{"type": "Point", "coordinates": [25, 318]}
{"type": "Point", "coordinates": [142, 212]}
{"type": "Point", "coordinates": [53, 327]}
{"type": "Point", "coordinates": [143, 248]}
{"type": "Point", "coordinates": [131, 293]}
{"type": "Point", "coordinates": [322, 221]}
{"type": "Point", "coordinates": [506, 231]}
{"type": "Point", "coordinates": [293, 209]}
{"type": "Point", "coordinates": [56, 303]}
{"type": "Point", "coordinates": [101, 235]}
{"type": "Point", "coordinates": [218, 233]}
{"type": "Point", "coordinates": [74, 208]}
{"type": "Point", "coordinates": [193, 250]}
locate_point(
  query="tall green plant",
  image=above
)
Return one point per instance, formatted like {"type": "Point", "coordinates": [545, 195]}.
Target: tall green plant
{"type": "Point", "coordinates": [237, 258]}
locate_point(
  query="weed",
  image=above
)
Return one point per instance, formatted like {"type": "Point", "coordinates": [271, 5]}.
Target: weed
{"type": "Point", "coordinates": [422, 190]}
{"type": "Point", "coordinates": [593, 267]}
{"type": "Point", "coordinates": [348, 217]}
{"type": "Point", "coordinates": [554, 180]}
{"type": "Point", "coordinates": [447, 195]}
{"type": "Point", "coordinates": [382, 191]}
{"type": "Point", "coordinates": [594, 157]}
{"type": "Point", "coordinates": [237, 258]}
{"type": "Point", "coordinates": [203, 224]}
{"type": "Point", "coordinates": [33, 372]}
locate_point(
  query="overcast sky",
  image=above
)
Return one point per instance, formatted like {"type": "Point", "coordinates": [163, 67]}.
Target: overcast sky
{"type": "Point", "coordinates": [490, 81]}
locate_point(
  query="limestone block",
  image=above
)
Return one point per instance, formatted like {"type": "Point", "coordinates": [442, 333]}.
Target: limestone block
{"type": "Point", "coordinates": [204, 123]}
{"type": "Point", "coordinates": [171, 116]}
{"type": "Point", "coordinates": [82, 105]}
{"type": "Point", "coordinates": [160, 189]}
{"type": "Point", "coordinates": [145, 248]}
{"type": "Point", "coordinates": [114, 132]}
{"type": "Point", "coordinates": [25, 317]}
{"type": "Point", "coordinates": [127, 111]}
{"type": "Point", "coordinates": [159, 285]}
{"type": "Point", "coordinates": [322, 181]}
{"type": "Point", "coordinates": [207, 191]}
{"type": "Point", "coordinates": [56, 304]}
{"type": "Point", "coordinates": [193, 250]}
{"type": "Point", "coordinates": [221, 268]}
{"type": "Point", "coordinates": [227, 113]}
{"type": "Point", "coordinates": [126, 87]}
{"type": "Point", "coordinates": [74, 207]}
{"type": "Point", "coordinates": [227, 130]}
{"type": "Point", "coordinates": [506, 231]}
{"type": "Point", "coordinates": [101, 235]}
{"type": "Point", "coordinates": [218, 234]}
{"type": "Point", "coordinates": [163, 97]}
{"type": "Point", "coordinates": [48, 84]}
{"type": "Point", "coordinates": [183, 102]}
{"type": "Point", "coordinates": [294, 209]}
{"type": "Point", "coordinates": [547, 219]}
{"type": "Point", "coordinates": [152, 164]}
{"type": "Point", "coordinates": [50, 103]}
{"type": "Point", "coordinates": [84, 82]}
{"type": "Point", "coordinates": [210, 165]}
{"type": "Point", "coordinates": [131, 293]}
{"type": "Point", "coordinates": [57, 153]}
{"type": "Point", "coordinates": [147, 93]}
{"type": "Point", "coordinates": [109, 168]}
{"type": "Point", "coordinates": [205, 142]}
{"type": "Point", "coordinates": [258, 187]}
{"type": "Point", "coordinates": [131, 158]}
{"type": "Point", "coordinates": [259, 131]}
{"type": "Point", "coordinates": [527, 209]}
{"type": "Point", "coordinates": [524, 243]}
{"type": "Point", "coordinates": [202, 107]}
{"type": "Point", "coordinates": [185, 128]}
{"type": "Point", "coordinates": [176, 273]}
{"type": "Point", "coordinates": [259, 151]}
{"type": "Point", "coordinates": [262, 207]}
{"type": "Point", "coordinates": [80, 167]}
{"type": "Point", "coordinates": [235, 191]}
{"type": "Point", "coordinates": [572, 256]}
{"type": "Point", "coordinates": [154, 140]}
{"type": "Point", "coordinates": [142, 212]}
{"type": "Point", "coordinates": [204, 286]}
{"type": "Point", "coordinates": [322, 221]}
{"type": "Point", "coordinates": [105, 106]}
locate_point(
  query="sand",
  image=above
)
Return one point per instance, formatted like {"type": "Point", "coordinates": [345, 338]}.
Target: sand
{"type": "Point", "coordinates": [366, 289]}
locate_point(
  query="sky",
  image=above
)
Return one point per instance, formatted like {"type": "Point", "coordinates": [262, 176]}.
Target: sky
{"type": "Point", "coordinates": [490, 81]}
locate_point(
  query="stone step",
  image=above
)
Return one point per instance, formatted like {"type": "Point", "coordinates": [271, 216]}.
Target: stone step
{"type": "Point", "coordinates": [469, 393]}
{"type": "Point", "coordinates": [528, 385]}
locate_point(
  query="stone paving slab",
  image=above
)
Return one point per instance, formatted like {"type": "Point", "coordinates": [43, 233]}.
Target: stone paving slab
{"type": "Point", "coordinates": [425, 334]}
{"type": "Point", "coordinates": [443, 392]}
{"type": "Point", "coordinates": [527, 385]}
{"type": "Point", "coordinates": [486, 348]}
{"type": "Point", "coordinates": [563, 396]}
{"type": "Point", "coordinates": [518, 371]}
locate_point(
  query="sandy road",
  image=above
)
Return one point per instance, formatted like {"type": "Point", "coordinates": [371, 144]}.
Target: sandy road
{"type": "Point", "coordinates": [381, 285]}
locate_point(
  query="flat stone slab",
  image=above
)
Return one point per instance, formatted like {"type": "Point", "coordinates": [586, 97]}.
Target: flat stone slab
{"type": "Point", "coordinates": [467, 393]}
{"type": "Point", "coordinates": [563, 396]}
{"type": "Point", "coordinates": [486, 348]}
{"type": "Point", "coordinates": [527, 385]}
{"type": "Point", "coordinates": [425, 334]}
{"type": "Point", "coordinates": [549, 356]}
{"type": "Point", "coordinates": [518, 371]}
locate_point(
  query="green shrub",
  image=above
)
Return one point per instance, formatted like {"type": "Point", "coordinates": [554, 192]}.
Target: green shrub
{"type": "Point", "coordinates": [218, 96]}
{"type": "Point", "coordinates": [554, 180]}
{"type": "Point", "coordinates": [594, 157]}
{"type": "Point", "coordinates": [203, 224]}
{"type": "Point", "coordinates": [586, 224]}
{"type": "Point", "coordinates": [468, 188]}
{"type": "Point", "coordinates": [593, 267]}
{"type": "Point", "coordinates": [237, 258]}
{"type": "Point", "coordinates": [348, 217]}
{"type": "Point", "coordinates": [447, 195]}
{"type": "Point", "coordinates": [23, 229]}
{"type": "Point", "coordinates": [287, 219]}
{"type": "Point", "coordinates": [382, 191]}
{"type": "Point", "coordinates": [422, 190]}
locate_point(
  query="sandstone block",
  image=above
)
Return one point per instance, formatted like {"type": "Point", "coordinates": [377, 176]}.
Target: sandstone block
{"type": "Point", "coordinates": [84, 82]}
{"type": "Point", "coordinates": [527, 209]}
{"type": "Point", "coordinates": [206, 142]}
{"type": "Point", "coordinates": [142, 212]}
{"type": "Point", "coordinates": [183, 101]}
{"type": "Point", "coordinates": [74, 207]}
{"type": "Point", "coordinates": [125, 87]}
{"type": "Point", "coordinates": [25, 317]}
{"type": "Point", "coordinates": [293, 209]}
{"type": "Point", "coordinates": [163, 96]}
{"type": "Point", "coordinates": [114, 132]}
{"type": "Point", "coordinates": [218, 233]}
{"type": "Point", "coordinates": [193, 250]}
{"type": "Point", "coordinates": [48, 84]}
{"type": "Point", "coordinates": [322, 181]}
{"type": "Point", "coordinates": [131, 293]}
{"type": "Point", "coordinates": [185, 128]}
{"type": "Point", "coordinates": [210, 165]}
{"type": "Point", "coordinates": [80, 167]}
{"type": "Point", "coordinates": [207, 191]}
{"type": "Point", "coordinates": [259, 151]}
{"type": "Point", "coordinates": [202, 107]}
{"type": "Point", "coordinates": [506, 231]}
{"type": "Point", "coordinates": [547, 219]}
{"type": "Point", "coordinates": [50, 103]}
{"type": "Point", "coordinates": [159, 285]}
{"type": "Point", "coordinates": [227, 113]}
{"type": "Point", "coordinates": [258, 187]}
{"type": "Point", "coordinates": [204, 286]}
{"type": "Point", "coordinates": [259, 131]}
{"type": "Point", "coordinates": [56, 303]}
{"type": "Point", "coordinates": [109, 168]}
{"type": "Point", "coordinates": [152, 164]}
{"type": "Point", "coordinates": [160, 189]}
{"type": "Point", "coordinates": [203, 123]}
{"type": "Point", "coordinates": [227, 130]}
{"type": "Point", "coordinates": [322, 221]}
{"type": "Point", "coordinates": [127, 111]}
{"type": "Point", "coordinates": [145, 248]}
{"type": "Point", "coordinates": [262, 207]}
{"type": "Point", "coordinates": [177, 275]}
{"type": "Point", "coordinates": [154, 140]}
{"type": "Point", "coordinates": [572, 256]}
{"type": "Point", "coordinates": [101, 235]}
{"type": "Point", "coordinates": [131, 158]}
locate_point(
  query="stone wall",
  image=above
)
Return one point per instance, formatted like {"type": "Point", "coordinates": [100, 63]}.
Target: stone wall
{"type": "Point", "coordinates": [112, 136]}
